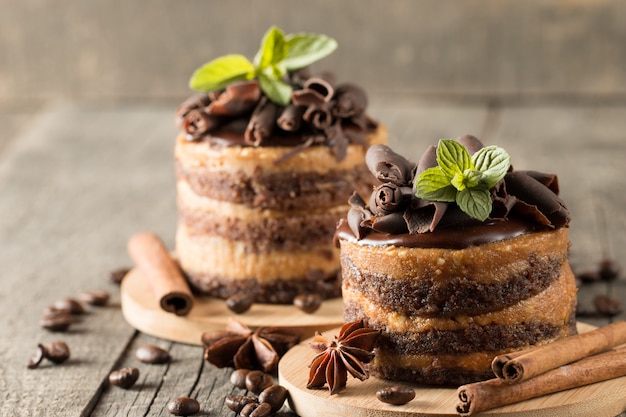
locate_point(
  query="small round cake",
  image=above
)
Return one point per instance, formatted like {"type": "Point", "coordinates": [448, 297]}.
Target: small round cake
{"type": "Point", "coordinates": [451, 285]}
{"type": "Point", "coordinates": [261, 183]}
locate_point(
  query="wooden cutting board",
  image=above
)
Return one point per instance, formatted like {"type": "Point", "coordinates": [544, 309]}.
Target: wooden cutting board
{"type": "Point", "coordinates": [141, 310]}
{"type": "Point", "coordinates": [358, 399]}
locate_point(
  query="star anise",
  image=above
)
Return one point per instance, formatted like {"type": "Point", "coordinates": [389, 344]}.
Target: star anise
{"type": "Point", "coordinates": [242, 348]}
{"type": "Point", "coordinates": [349, 352]}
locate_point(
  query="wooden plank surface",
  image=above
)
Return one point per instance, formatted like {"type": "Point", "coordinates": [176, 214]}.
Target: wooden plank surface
{"type": "Point", "coordinates": [81, 179]}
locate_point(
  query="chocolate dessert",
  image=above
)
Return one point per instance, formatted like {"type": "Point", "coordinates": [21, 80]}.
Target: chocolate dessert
{"type": "Point", "coordinates": [453, 278]}
{"type": "Point", "coordinates": [266, 160]}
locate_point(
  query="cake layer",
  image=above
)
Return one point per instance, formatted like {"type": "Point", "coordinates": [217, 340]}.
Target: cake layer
{"type": "Point", "coordinates": [450, 282]}
{"type": "Point", "coordinates": [251, 176]}
{"type": "Point", "coordinates": [226, 258]}
{"type": "Point", "coordinates": [260, 231]}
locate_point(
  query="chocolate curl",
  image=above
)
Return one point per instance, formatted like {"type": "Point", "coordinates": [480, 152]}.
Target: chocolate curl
{"type": "Point", "coordinates": [549, 180]}
{"type": "Point", "coordinates": [197, 122]}
{"type": "Point", "coordinates": [392, 223]}
{"type": "Point", "coordinates": [536, 200]}
{"type": "Point", "coordinates": [471, 143]}
{"type": "Point", "coordinates": [291, 118]}
{"type": "Point", "coordinates": [350, 101]}
{"type": "Point", "coordinates": [316, 96]}
{"type": "Point", "coordinates": [337, 141]}
{"type": "Point", "coordinates": [320, 86]}
{"type": "Point", "coordinates": [237, 99]}
{"type": "Point", "coordinates": [162, 274]}
{"type": "Point", "coordinates": [357, 215]}
{"type": "Point", "coordinates": [388, 198]}
{"type": "Point", "coordinates": [197, 101]}
{"type": "Point", "coordinates": [388, 166]}
{"type": "Point", "coordinates": [261, 123]}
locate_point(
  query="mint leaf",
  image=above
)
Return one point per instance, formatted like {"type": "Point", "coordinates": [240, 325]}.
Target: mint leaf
{"type": "Point", "coordinates": [434, 185]}
{"type": "Point", "coordinates": [273, 49]}
{"type": "Point", "coordinates": [493, 162]}
{"type": "Point", "coordinates": [475, 202]}
{"type": "Point", "coordinates": [307, 48]}
{"type": "Point", "coordinates": [275, 89]}
{"type": "Point", "coordinates": [452, 157]}
{"type": "Point", "coordinates": [220, 72]}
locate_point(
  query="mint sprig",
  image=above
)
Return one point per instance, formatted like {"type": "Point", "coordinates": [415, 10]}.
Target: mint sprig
{"type": "Point", "coordinates": [464, 179]}
{"type": "Point", "coordinates": [278, 54]}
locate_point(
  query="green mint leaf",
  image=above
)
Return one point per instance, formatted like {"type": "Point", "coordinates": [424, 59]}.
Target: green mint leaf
{"type": "Point", "coordinates": [275, 89]}
{"type": "Point", "coordinates": [307, 48]}
{"type": "Point", "coordinates": [493, 162]}
{"type": "Point", "coordinates": [452, 157]}
{"type": "Point", "coordinates": [273, 49]}
{"type": "Point", "coordinates": [468, 179]}
{"type": "Point", "coordinates": [220, 72]}
{"type": "Point", "coordinates": [434, 185]}
{"type": "Point", "coordinates": [476, 202]}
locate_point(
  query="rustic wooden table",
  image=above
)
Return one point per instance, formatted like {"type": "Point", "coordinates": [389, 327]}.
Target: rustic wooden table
{"type": "Point", "coordinates": [77, 180]}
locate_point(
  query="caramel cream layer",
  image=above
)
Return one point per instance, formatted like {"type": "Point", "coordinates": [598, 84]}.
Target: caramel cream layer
{"type": "Point", "coordinates": [217, 256]}
{"type": "Point", "coordinates": [252, 160]}
{"type": "Point", "coordinates": [553, 306]}
{"type": "Point", "coordinates": [489, 263]}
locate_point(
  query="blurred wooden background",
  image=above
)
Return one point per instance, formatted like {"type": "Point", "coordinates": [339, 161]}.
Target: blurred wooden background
{"type": "Point", "coordinates": [469, 50]}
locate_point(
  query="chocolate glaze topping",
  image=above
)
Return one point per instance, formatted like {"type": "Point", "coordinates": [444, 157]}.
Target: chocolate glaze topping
{"type": "Point", "coordinates": [320, 114]}
{"type": "Point", "coordinates": [524, 201]}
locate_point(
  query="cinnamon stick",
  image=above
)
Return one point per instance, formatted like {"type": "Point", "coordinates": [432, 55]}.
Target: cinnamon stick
{"type": "Point", "coordinates": [519, 366]}
{"type": "Point", "coordinates": [485, 395]}
{"type": "Point", "coordinates": [168, 285]}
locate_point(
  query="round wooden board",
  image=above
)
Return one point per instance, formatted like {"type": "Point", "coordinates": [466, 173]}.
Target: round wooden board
{"type": "Point", "coordinates": [141, 310]}
{"type": "Point", "coordinates": [358, 399]}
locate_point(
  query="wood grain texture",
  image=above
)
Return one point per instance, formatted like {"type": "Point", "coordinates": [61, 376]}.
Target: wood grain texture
{"type": "Point", "coordinates": [107, 49]}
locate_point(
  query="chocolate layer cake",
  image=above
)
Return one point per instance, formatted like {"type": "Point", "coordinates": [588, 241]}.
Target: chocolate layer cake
{"type": "Point", "coordinates": [261, 185]}
{"type": "Point", "coordinates": [448, 291]}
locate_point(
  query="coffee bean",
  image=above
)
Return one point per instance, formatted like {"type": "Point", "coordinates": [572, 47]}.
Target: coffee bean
{"type": "Point", "coordinates": [124, 378]}
{"type": "Point", "coordinates": [152, 354]}
{"type": "Point", "coordinates": [240, 303]}
{"type": "Point", "coordinates": [118, 275]}
{"type": "Point", "coordinates": [57, 351]}
{"type": "Point", "coordinates": [607, 305]}
{"type": "Point", "coordinates": [248, 409]}
{"type": "Point", "coordinates": [395, 395]}
{"type": "Point", "coordinates": [274, 395]}
{"type": "Point", "coordinates": [37, 357]}
{"type": "Point", "coordinates": [608, 269]}
{"type": "Point", "coordinates": [588, 276]}
{"type": "Point", "coordinates": [238, 377]}
{"type": "Point", "coordinates": [56, 322]}
{"type": "Point", "coordinates": [71, 305]}
{"type": "Point", "coordinates": [262, 410]}
{"type": "Point", "coordinates": [309, 303]}
{"type": "Point", "coordinates": [183, 406]}
{"type": "Point", "coordinates": [238, 402]}
{"type": "Point", "coordinates": [95, 297]}
{"type": "Point", "coordinates": [257, 381]}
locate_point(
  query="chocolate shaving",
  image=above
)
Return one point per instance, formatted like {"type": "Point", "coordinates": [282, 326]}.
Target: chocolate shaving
{"type": "Point", "coordinates": [261, 123]}
{"type": "Point", "coordinates": [357, 215]}
{"type": "Point", "coordinates": [387, 198]}
{"type": "Point", "coordinates": [238, 98]}
{"type": "Point", "coordinates": [471, 143]}
{"type": "Point", "coordinates": [392, 223]}
{"type": "Point", "coordinates": [291, 118]}
{"type": "Point", "coordinates": [197, 122]}
{"type": "Point", "coordinates": [388, 166]}
{"type": "Point", "coordinates": [320, 86]}
{"type": "Point", "coordinates": [350, 101]}
{"type": "Point", "coordinates": [337, 141]}
{"type": "Point", "coordinates": [196, 101]}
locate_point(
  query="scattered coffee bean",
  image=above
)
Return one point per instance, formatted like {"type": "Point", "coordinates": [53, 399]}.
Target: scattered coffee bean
{"type": "Point", "coordinates": [240, 303]}
{"type": "Point", "coordinates": [95, 298]}
{"type": "Point", "coordinates": [309, 303]}
{"type": "Point", "coordinates": [124, 378]}
{"type": "Point", "coordinates": [588, 277]}
{"type": "Point", "coordinates": [37, 357]}
{"type": "Point", "coordinates": [71, 305]}
{"type": "Point", "coordinates": [262, 410]}
{"type": "Point", "coordinates": [57, 351]}
{"type": "Point", "coordinates": [248, 409]}
{"type": "Point", "coordinates": [118, 275]}
{"type": "Point", "coordinates": [257, 381]}
{"type": "Point", "coordinates": [152, 354]}
{"type": "Point", "coordinates": [608, 270]}
{"type": "Point", "coordinates": [238, 402]}
{"type": "Point", "coordinates": [183, 406]}
{"type": "Point", "coordinates": [56, 322]}
{"type": "Point", "coordinates": [607, 305]}
{"type": "Point", "coordinates": [275, 396]}
{"type": "Point", "coordinates": [395, 395]}
{"type": "Point", "coordinates": [238, 377]}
